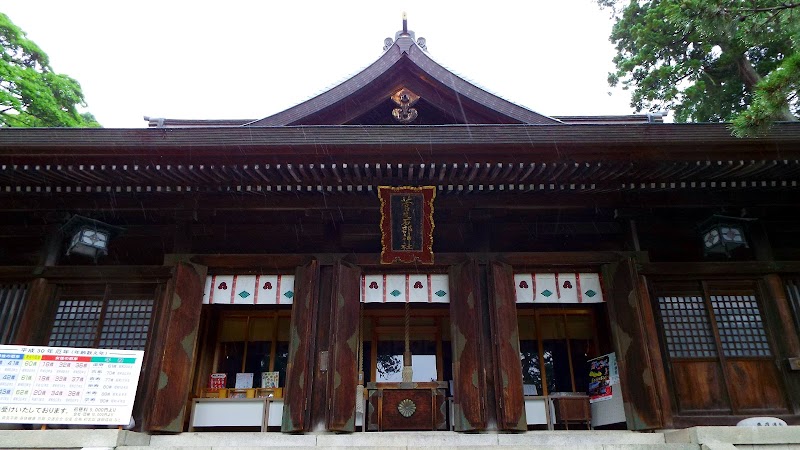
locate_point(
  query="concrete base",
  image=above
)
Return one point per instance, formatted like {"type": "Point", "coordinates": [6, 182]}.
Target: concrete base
{"type": "Point", "coordinates": [699, 438]}
{"type": "Point", "coordinates": [71, 438]}
{"type": "Point", "coordinates": [440, 440]}
{"type": "Point", "coordinates": [771, 438]}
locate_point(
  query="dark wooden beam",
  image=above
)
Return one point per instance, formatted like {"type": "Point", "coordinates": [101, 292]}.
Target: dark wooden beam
{"type": "Point", "coordinates": [702, 269]}
{"type": "Point", "coordinates": [389, 143]}
{"type": "Point", "coordinates": [140, 274]}
{"type": "Point", "coordinates": [264, 263]}
{"type": "Point", "coordinates": [511, 201]}
{"type": "Point", "coordinates": [18, 273]}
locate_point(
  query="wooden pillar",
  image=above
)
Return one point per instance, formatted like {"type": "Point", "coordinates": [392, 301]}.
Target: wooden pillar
{"type": "Point", "coordinates": [759, 240]}
{"type": "Point", "coordinates": [182, 237]}
{"type": "Point", "coordinates": [52, 249]}
{"type": "Point", "coordinates": [34, 325]}
{"type": "Point", "coordinates": [320, 373]}
{"type": "Point", "coordinates": [177, 346]}
{"type": "Point", "coordinates": [788, 341]}
{"type": "Point", "coordinates": [343, 372]}
{"type": "Point", "coordinates": [302, 350]}
{"type": "Point", "coordinates": [505, 349]}
{"type": "Point", "coordinates": [632, 330]}
{"type": "Point", "coordinates": [466, 325]}
{"type": "Point", "coordinates": [789, 334]}
{"type": "Point", "coordinates": [659, 373]}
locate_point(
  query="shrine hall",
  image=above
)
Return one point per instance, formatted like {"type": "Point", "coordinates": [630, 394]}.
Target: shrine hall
{"type": "Point", "coordinates": [405, 251]}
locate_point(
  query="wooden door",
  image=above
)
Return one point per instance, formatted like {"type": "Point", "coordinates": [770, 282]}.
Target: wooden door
{"type": "Point", "coordinates": [300, 367]}
{"type": "Point", "coordinates": [343, 376]}
{"type": "Point", "coordinates": [506, 354]}
{"type": "Point", "coordinates": [469, 384]}
{"type": "Point", "coordinates": [746, 350]}
{"type": "Point", "coordinates": [631, 326]}
{"type": "Point", "coordinates": [720, 355]}
{"type": "Point", "coordinates": [177, 348]}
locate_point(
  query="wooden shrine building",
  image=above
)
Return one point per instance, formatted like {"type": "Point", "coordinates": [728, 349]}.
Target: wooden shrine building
{"type": "Point", "coordinates": [407, 217]}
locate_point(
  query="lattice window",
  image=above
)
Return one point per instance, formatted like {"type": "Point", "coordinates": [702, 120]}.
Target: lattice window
{"type": "Point", "coordinates": [687, 329]}
{"type": "Point", "coordinates": [76, 323]}
{"type": "Point", "coordinates": [741, 330]}
{"type": "Point", "coordinates": [117, 317]}
{"type": "Point", "coordinates": [126, 324]}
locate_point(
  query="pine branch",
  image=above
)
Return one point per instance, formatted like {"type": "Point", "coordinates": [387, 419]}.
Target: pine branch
{"type": "Point", "coordinates": [766, 9]}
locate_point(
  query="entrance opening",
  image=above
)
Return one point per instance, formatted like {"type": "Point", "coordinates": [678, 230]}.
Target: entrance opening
{"type": "Point", "coordinates": [561, 341]}
{"type": "Point", "coordinates": [257, 344]}
{"type": "Point", "coordinates": [429, 333]}
{"type": "Point", "coordinates": [556, 344]}
{"type": "Point", "coordinates": [385, 331]}
{"type": "Point", "coordinates": [241, 368]}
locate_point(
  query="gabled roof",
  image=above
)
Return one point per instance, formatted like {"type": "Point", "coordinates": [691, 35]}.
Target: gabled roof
{"type": "Point", "coordinates": [445, 98]}
{"type": "Point", "coordinates": [366, 98]}
{"type": "Point", "coordinates": [157, 122]}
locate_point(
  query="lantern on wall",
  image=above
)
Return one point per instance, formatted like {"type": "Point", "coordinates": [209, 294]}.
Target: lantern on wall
{"type": "Point", "coordinates": [88, 237]}
{"type": "Point", "coordinates": [722, 234]}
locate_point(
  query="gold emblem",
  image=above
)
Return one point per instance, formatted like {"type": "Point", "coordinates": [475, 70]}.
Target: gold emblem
{"type": "Point", "coordinates": [407, 408]}
{"type": "Point", "coordinates": [405, 99]}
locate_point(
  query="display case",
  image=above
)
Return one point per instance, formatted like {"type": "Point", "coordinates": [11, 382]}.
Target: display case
{"type": "Point", "coordinates": [571, 407]}
{"type": "Point", "coordinates": [407, 406]}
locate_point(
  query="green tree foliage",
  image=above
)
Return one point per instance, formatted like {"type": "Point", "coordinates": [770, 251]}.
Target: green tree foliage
{"type": "Point", "coordinates": [31, 94]}
{"type": "Point", "coordinates": [710, 60]}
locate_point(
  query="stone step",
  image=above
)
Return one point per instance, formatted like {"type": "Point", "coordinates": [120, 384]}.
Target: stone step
{"type": "Point", "coordinates": [599, 440]}
{"type": "Point", "coordinates": [127, 440]}
{"type": "Point", "coordinates": [709, 438]}
{"type": "Point", "coordinates": [444, 447]}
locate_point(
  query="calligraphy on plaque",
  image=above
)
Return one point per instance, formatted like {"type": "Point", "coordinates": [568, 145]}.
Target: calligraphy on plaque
{"type": "Point", "coordinates": [407, 224]}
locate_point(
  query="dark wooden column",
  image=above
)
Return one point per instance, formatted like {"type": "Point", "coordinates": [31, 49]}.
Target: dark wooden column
{"type": "Point", "coordinates": [789, 340]}
{"type": "Point", "coordinates": [505, 349]}
{"type": "Point", "coordinates": [469, 382]}
{"type": "Point", "coordinates": [39, 307]}
{"type": "Point", "coordinates": [779, 313]}
{"type": "Point", "coordinates": [633, 334]}
{"type": "Point", "coordinates": [302, 350]}
{"type": "Point", "coordinates": [343, 372]}
{"type": "Point", "coordinates": [34, 325]}
{"type": "Point", "coordinates": [177, 345]}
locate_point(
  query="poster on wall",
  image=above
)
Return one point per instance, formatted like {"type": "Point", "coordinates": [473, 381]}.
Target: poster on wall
{"type": "Point", "coordinates": [217, 381]}
{"type": "Point", "coordinates": [270, 379]}
{"type": "Point", "coordinates": [62, 385]}
{"type": "Point", "coordinates": [244, 380]}
{"type": "Point", "coordinates": [603, 374]}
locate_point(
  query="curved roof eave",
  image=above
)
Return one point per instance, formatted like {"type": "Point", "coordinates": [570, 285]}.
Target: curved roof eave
{"type": "Point", "coordinates": [404, 46]}
{"type": "Point", "coordinates": [475, 93]}
{"type": "Point", "coordinates": [333, 95]}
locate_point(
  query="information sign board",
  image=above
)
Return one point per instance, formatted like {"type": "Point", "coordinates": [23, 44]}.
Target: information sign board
{"type": "Point", "coordinates": [60, 385]}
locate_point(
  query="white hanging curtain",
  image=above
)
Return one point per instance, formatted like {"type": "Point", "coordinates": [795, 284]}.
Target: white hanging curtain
{"type": "Point", "coordinates": [249, 289]}
{"type": "Point", "coordinates": [562, 287]}
{"type": "Point", "coordinates": [405, 288]}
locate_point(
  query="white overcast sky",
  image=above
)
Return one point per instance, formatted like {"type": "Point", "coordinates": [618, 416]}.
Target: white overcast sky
{"type": "Point", "coordinates": [238, 59]}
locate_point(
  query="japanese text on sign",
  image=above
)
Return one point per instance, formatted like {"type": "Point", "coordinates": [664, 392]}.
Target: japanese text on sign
{"type": "Point", "coordinates": [60, 385]}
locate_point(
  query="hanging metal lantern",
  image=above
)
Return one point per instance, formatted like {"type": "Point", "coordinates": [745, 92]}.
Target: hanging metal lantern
{"type": "Point", "coordinates": [722, 234]}
{"type": "Point", "coordinates": [88, 237]}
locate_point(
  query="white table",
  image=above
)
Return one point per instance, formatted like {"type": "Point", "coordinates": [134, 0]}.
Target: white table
{"type": "Point", "coordinates": [236, 412]}
{"type": "Point", "coordinates": [538, 411]}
